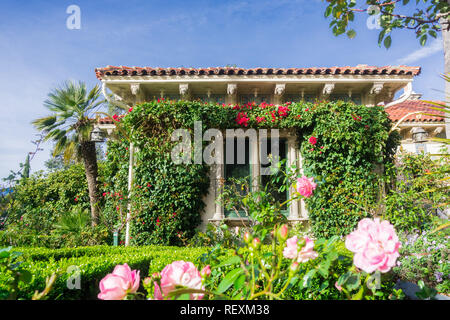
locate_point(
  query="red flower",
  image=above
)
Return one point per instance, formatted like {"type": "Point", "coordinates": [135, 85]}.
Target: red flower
{"type": "Point", "coordinates": [282, 111]}
{"type": "Point", "coordinates": [313, 140]}
{"type": "Point", "coordinates": [306, 109]}
{"type": "Point", "coordinates": [76, 199]}
{"type": "Point", "coordinates": [260, 119]}
{"type": "Point", "coordinates": [104, 194]}
{"type": "Point", "coordinates": [242, 119]}
{"type": "Point", "coordinates": [131, 109]}
{"type": "Point", "coordinates": [116, 117]}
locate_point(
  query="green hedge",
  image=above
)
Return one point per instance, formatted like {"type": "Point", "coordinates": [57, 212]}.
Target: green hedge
{"type": "Point", "coordinates": [94, 263]}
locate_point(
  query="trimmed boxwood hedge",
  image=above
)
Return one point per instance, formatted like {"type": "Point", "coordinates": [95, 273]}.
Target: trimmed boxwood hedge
{"type": "Point", "coordinates": [94, 263]}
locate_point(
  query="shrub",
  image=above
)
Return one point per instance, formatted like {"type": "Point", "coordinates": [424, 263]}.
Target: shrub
{"type": "Point", "coordinates": [415, 191]}
{"type": "Point", "coordinates": [424, 257]}
{"type": "Point", "coordinates": [94, 263]}
{"type": "Point", "coordinates": [41, 201]}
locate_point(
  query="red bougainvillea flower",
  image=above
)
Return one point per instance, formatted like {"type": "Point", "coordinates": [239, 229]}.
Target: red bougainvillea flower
{"type": "Point", "coordinates": [313, 140]}
{"type": "Point", "coordinates": [282, 111]}
{"type": "Point", "coordinates": [116, 117]}
{"type": "Point", "coordinates": [242, 119]}
{"type": "Point", "coordinates": [260, 119]}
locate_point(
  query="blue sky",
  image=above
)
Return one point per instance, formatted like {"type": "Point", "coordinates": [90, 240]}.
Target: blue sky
{"type": "Point", "coordinates": [38, 52]}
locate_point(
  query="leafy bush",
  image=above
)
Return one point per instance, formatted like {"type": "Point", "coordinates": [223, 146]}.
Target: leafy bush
{"type": "Point", "coordinates": [424, 257]}
{"type": "Point", "coordinates": [415, 191]}
{"type": "Point", "coordinates": [42, 201]}
{"type": "Point", "coordinates": [93, 263]}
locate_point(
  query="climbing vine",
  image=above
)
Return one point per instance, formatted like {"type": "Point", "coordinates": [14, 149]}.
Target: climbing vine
{"type": "Point", "coordinates": [343, 146]}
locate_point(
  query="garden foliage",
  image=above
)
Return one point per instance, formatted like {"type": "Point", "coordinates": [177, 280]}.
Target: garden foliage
{"type": "Point", "coordinates": [350, 143]}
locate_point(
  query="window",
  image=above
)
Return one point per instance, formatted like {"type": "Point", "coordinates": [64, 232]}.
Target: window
{"type": "Point", "coordinates": [216, 98]}
{"type": "Point", "coordinates": [298, 97]}
{"type": "Point", "coordinates": [174, 97]}
{"type": "Point", "coordinates": [355, 98]}
{"type": "Point", "coordinates": [238, 169]}
{"type": "Point", "coordinates": [246, 98]}
{"type": "Point", "coordinates": [266, 177]}
{"type": "Point", "coordinates": [421, 148]}
{"type": "Point", "coordinates": [241, 168]}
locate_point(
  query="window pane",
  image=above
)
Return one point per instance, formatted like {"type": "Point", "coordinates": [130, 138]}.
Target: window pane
{"type": "Point", "coordinates": [265, 168]}
{"type": "Point", "coordinates": [238, 168]}
{"type": "Point", "coordinates": [174, 97]}
{"type": "Point", "coordinates": [246, 98]}
{"type": "Point", "coordinates": [356, 98]}
{"type": "Point", "coordinates": [298, 97]}
{"type": "Point", "coordinates": [216, 98]}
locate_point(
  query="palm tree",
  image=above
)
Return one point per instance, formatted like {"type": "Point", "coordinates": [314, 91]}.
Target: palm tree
{"type": "Point", "coordinates": [70, 126]}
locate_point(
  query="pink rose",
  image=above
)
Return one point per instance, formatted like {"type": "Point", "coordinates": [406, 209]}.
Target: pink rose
{"type": "Point", "coordinates": [206, 271]}
{"type": "Point", "coordinates": [291, 249]}
{"type": "Point", "coordinates": [118, 284]}
{"type": "Point", "coordinates": [313, 140]}
{"type": "Point", "coordinates": [179, 273]}
{"type": "Point", "coordinates": [375, 245]}
{"type": "Point", "coordinates": [305, 254]}
{"type": "Point", "coordinates": [305, 186]}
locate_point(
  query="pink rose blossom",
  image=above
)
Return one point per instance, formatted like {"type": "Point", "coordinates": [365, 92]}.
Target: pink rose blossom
{"type": "Point", "coordinates": [291, 249]}
{"type": "Point", "coordinates": [375, 245]}
{"type": "Point", "coordinates": [179, 273]}
{"type": "Point", "coordinates": [305, 186]}
{"type": "Point", "coordinates": [305, 254]}
{"type": "Point", "coordinates": [119, 283]}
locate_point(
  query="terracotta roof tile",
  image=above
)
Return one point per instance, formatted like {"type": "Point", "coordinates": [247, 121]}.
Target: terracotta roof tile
{"type": "Point", "coordinates": [397, 111]}
{"type": "Point", "coordinates": [359, 69]}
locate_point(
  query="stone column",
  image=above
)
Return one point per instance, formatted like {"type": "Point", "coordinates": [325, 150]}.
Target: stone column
{"type": "Point", "coordinates": [292, 160]}
{"type": "Point", "coordinates": [219, 179]}
{"type": "Point", "coordinates": [231, 93]}
{"type": "Point", "coordinates": [279, 92]}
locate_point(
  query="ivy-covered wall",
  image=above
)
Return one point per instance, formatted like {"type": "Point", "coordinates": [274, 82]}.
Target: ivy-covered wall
{"type": "Point", "coordinates": [350, 141]}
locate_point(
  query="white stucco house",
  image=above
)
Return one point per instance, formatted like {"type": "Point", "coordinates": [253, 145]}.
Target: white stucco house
{"type": "Point", "coordinates": [368, 85]}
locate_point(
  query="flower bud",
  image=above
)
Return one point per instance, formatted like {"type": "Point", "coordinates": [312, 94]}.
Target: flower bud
{"type": "Point", "coordinates": [247, 237]}
{"type": "Point", "coordinates": [294, 267]}
{"type": "Point", "coordinates": [206, 271]}
{"type": "Point", "coordinates": [256, 243]}
{"type": "Point", "coordinates": [283, 232]}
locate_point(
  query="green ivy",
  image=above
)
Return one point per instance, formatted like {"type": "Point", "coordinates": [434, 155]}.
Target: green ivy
{"type": "Point", "coordinates": [353, 141]}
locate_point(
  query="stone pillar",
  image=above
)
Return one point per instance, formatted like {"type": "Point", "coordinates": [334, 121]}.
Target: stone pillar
{"type": "Point", "coordinates": [292, 160]}
{"type": "Point", "coordinates": [231, 93]}
{"type": "Point", "coordinates": [303, 211]}
{"type": "Point", "coordinates": [279, 92]}
{"type": "Point", "coordinates": [219, 179]}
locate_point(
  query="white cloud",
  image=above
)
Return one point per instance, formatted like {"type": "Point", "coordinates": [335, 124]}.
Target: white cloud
{"type": "Point", "coordinates": [435, 46]}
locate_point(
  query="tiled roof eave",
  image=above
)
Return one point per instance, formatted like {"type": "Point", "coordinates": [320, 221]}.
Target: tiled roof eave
{"type": "Point", "coordinates": [112, 71]}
